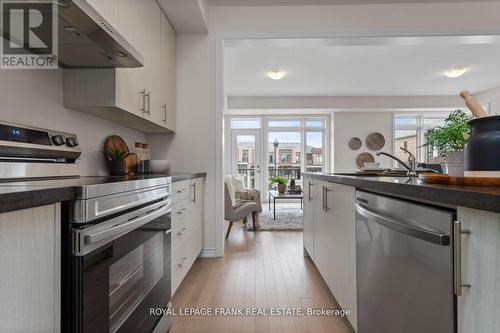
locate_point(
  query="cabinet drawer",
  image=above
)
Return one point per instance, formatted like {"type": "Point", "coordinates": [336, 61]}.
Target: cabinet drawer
{"type": "Point", "coordinates": [181, 212]}
{"type": "Point", "coordinates": [182, 259]}
{"type": "Point", "coordinates": [180, 191]}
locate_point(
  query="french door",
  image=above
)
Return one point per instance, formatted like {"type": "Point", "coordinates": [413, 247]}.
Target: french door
{"type": "Point", "coordinates": [246, 157]}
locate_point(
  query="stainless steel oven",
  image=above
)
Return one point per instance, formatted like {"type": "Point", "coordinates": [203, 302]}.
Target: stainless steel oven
{"type": "Point", "coordinates": [119, 266]}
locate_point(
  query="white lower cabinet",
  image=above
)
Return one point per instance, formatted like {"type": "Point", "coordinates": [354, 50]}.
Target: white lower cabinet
{"type": "Point", "coordinates": [187, 227]}
{"type": "Point", "coordinates": [30, 274]}
{"type": "Point", "coordinates": [309, 195]}
{"type": "Point", "coordinates": [330, 238]}
{"type": "Point", "coordinates": [478, 308]}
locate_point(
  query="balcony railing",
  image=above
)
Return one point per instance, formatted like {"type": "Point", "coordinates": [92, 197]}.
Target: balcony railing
{"type": "Point", "coordinates": [286, 172]}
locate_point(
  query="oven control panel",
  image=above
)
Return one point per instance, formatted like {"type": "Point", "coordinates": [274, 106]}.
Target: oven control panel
{"type": "Point", "coordinates": [28, 142]}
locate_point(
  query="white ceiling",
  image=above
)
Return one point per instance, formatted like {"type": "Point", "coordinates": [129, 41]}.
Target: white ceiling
{"type": "Point", "coordinates": [359, 70]}
{"type": "Point", "coordinates": [317, 2]}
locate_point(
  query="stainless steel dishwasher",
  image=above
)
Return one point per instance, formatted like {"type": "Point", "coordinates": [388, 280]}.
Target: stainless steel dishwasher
{"type": "Point", "coordinates": [404, 256]}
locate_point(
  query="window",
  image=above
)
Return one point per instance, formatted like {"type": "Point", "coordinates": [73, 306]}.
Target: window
{"type": "Point", "coordinates": [301, 144]}
{"type": "Point", "coordinates": [245, 123]}
{"type": "Point", "coordinates": [297, 157]}
{"type": "Point", "coordinates": [283, 123]}
{"type": "Point", "coordinates": [285, 156]}
{"type": "Point", "coordinates": [314, 123]}
{"type": "Point", "coordinates": [409, 132]}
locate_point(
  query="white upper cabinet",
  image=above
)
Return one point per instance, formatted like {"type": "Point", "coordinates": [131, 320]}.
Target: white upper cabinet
{"type": "Point", "coordinates": [141, 98]}
{"type": "Point", "coordinates": [167, 73]}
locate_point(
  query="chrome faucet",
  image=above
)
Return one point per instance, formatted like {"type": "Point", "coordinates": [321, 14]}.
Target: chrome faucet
{"type": "Point", "coordinates": [406, 166]}
{"type": "Point", "coordinates": [411, 166]}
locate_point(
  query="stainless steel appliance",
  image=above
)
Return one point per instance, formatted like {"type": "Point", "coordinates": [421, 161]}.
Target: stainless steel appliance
{"type": "Point", "coordinates": [32, 152]}
{"type": "Point", "coordinates": [115, 233]}
{"type": "Point", "coordinates": [119, 265]}
{"type": "Point", "coordinates": [405, 267]}
{"type": "Point", "coordinates": [87, 40]}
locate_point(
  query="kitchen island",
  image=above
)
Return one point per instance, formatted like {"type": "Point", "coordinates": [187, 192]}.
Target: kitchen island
{"type": "Point", "coordinates": [330, 239]}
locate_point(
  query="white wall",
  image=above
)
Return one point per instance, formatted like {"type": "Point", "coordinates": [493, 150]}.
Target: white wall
{"type": "Point", "coordinates": [491, 97]}
{"type": "Point", "coordinates": [344, 102]}
{"type": "Point", "coordinates": [35, 97]}
{"type": "Point", "coordinates": [194, 145]}
{"type": "Point", "coordinates": [360, 124]}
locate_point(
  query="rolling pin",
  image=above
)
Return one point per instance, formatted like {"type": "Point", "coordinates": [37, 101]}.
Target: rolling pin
{"type": "Point", "coordinates": [473, 105]}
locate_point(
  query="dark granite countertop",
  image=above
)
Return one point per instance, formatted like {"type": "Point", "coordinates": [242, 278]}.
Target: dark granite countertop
{"type": "Point", "coordinates": [178, 176]}
{"type": "Point", "coordinates": [478, 197]}
{"type": "Point", "coordinates": [33, 193]}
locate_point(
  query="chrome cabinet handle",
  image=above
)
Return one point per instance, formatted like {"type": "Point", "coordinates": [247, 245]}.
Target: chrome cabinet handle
{"type": "Point", "coordinates": [182, 232]}
{"type": "Point", "coordinates": [148, 95]}
{"type": "Point", "coordinates": [143, 108]}
{"type": "Point", "coordinates": [325, 199]}
{"type": "Point", "coordinates": [182, 211]}
{"type": "Point", "coordinates": [194, 192]}
{"type": "Point", "coordinates": [309, 195]}
{"type": "Point", "coordinates": [164, 107]}
{"type": "Point", "coordinates": [181, 265]}
{"type": "Point", "coordinates": [457, 257]}
{"type": "Point", "coordinates": [182, 191]}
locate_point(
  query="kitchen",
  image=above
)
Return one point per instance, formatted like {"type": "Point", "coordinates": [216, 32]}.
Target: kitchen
{"type": "Point", "coordinates": [40, 99]}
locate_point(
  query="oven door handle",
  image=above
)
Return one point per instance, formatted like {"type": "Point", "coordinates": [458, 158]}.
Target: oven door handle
{"type": "Point", "coordinates": [426, 235]}
{"type": "Point", "coordinates": [153, 212]}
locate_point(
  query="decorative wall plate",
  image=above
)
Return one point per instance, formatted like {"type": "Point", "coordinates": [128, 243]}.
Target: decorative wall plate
{"type": "Point", "coordinates": [375, 141]}
{"type": "Point", "coordinates": [355, 143]}
{"type": "Point", "coordinates": [362, 158]}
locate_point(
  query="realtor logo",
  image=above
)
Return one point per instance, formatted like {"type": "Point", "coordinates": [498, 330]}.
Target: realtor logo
{"type": "Point", "coordinates": [29, 31]}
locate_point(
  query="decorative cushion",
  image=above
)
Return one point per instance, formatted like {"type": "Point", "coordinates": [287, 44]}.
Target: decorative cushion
{"type": "Point", "coordinates": [239, 182]}
{"type": "Point", "coordinates": [228, 179]}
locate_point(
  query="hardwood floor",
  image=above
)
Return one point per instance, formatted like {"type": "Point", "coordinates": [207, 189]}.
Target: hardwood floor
{"type": "Point", "coordinates": [260, 270]}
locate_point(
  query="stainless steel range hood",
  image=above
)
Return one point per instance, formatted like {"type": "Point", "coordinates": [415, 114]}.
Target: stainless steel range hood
{"type": "Point", "coordinates": [86, 40]}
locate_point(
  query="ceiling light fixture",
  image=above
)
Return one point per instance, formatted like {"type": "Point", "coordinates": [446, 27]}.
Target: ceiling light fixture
{"type": "Point", "coordinates": [276, 74]}
{"type": "Point", "coordinates": [455, 72]}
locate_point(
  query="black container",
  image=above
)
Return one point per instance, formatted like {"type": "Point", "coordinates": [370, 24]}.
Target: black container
{"type": "Point", "coordinates": [116, 168]}
{"type": "Point", "coordinates": [482, 150]}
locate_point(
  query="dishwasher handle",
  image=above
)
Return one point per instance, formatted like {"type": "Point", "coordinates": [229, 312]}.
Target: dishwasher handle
{"type": "Point", "coordinates": [426, 235]}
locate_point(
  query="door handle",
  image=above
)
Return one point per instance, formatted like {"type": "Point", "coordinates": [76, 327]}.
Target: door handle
{"type": "Point", "coordinates": [164, 107]}
{"type": "Point", "coordinates": [457, 257]}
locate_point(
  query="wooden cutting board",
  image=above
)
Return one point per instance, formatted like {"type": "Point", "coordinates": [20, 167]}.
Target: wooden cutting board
{"type": "Point", "coordinates": [433, 178]}
{"type": "Point", "coordinates": [115, 142]}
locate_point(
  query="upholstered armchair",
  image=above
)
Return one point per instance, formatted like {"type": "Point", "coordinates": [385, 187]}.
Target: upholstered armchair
{"type": "Point", "coordinates": [236, 211]}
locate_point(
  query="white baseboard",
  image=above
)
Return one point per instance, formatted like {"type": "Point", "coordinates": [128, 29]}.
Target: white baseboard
{"type": "Point", "coordinates": [208, 253]}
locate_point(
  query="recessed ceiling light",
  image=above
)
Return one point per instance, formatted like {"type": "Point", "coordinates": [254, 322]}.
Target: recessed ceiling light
{"type": "Point", "coordinates": [276, 74]}
{"type": "Point", "coordinates": [455, 72]}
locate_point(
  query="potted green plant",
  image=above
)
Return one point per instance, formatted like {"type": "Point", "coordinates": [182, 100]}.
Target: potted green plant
{"type": "Point", "coordinates": [116, 162]}
{"type": "Point", "coordinates": [451, 138]}
{"type": "Point", "coordinates": [281, 181]}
